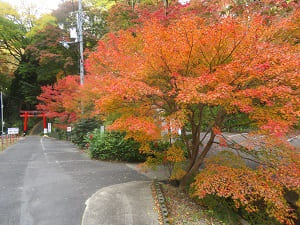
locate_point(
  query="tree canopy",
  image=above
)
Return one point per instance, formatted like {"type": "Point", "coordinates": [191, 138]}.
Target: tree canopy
{"type": "Point", "coordinates": [184, 74]}
{"type": "Point", "coordinates": [31, 53]}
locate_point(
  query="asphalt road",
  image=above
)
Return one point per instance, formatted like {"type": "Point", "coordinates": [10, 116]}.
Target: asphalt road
{"type": "Point", "coordinates": [46, 182]}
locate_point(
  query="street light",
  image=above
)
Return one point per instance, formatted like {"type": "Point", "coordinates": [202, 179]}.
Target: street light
{"type": "Point", "coordinates": [65, 44]}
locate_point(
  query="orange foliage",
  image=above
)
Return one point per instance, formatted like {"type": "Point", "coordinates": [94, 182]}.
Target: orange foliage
{"type": "Point", "coordinates": [246, 187]}
{"type": "Point", "coordinates": [142, 129]}
{"type": "Point", "coordinates": [162, 75]}
{"type": "Point", "coordinates": [230, 64]}
{"type": "Point", "coordinates": [174, 154]}
{"type": "Point", "coordinates": [226, 175]}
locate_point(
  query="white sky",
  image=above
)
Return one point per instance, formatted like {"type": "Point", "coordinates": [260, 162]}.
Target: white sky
{"type": "Point", "coordinates": [44, 6]}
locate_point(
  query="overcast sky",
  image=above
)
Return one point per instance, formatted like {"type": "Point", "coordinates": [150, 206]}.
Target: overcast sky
{"type": "Point", "coordinates": [44, 6]}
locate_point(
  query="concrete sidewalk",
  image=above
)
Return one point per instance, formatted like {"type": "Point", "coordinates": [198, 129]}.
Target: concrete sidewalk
{"type": "Point", "coordinates": [122, 204]}
{"type": "Point", "coordinates": [125, 204]}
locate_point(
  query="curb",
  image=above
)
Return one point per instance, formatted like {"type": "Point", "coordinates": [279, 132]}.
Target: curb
{"type": "Point", "coordinates": [162, 203]}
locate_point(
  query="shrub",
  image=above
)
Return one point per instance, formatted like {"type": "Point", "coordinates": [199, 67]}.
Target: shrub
{"type": "Point", "coordinates": [221, 208]}
{"type": "Point", "coordinates": [113, 146]}
{"type": "Point", "coordinates": [259, 217]}
{"type": "Point", "coordinates": [81, 128]}
{"type": "Point", "coordinates": [253, 194]}
{"type": "Point", "coordinates": [159, 146]}
{"type": "Point", "coordinates": [224, 209]}
{"type": "Point", "coordinates": [59, 133]}
{"type": "Point", "coordinates": [171, 155]}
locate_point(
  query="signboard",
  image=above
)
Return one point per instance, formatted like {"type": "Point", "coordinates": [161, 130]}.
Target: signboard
{"type": "Point", "coordinates": [49, 127]}
{"type": "Point", "coordinates": [69, 129]}
{"type": "Point", "coordinates": [14, 130]}
{"type": "Point", "coordinates": [102, 129]}
{"type": "Point", "coordinates": [179, 131]}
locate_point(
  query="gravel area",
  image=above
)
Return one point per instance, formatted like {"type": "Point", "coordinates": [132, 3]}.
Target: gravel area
{"type": "Point", "coordinates": [183, 210]}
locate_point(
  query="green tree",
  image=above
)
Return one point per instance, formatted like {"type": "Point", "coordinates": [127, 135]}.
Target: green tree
{"type": "Point", "coordinates": [12, 39]}
{"type": "Point", "coordinates": [94, 23]}
{"type": "Point", "coordinates": [41, 23]}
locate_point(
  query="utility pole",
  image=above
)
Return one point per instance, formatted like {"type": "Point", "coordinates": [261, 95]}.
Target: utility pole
{"type": "Point", "coordinates": [2, 107]}
{"type": "Point", "coordinates": [80, 37]}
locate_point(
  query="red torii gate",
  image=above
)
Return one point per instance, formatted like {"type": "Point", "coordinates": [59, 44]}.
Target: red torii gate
{"type": "Point", "coordinates": [26, 114]}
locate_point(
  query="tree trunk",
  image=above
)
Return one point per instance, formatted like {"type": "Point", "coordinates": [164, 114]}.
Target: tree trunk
{"type": "Point", "coordinates": [196, 131]}
{"type": "Point", "coordinates": [166, 6]}
{"type": "Point", "coordinates": [197, 162]}
{"type": "Point", "coordinates": [192, 169]}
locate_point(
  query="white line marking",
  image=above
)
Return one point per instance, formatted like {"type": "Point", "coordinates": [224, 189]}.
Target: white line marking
{"type": "Point", "coordinates": [44, 150]}
{"type": "Point", "coordinates": [59, 152]}
{"type": "Point", "coordinates": [70, 161]}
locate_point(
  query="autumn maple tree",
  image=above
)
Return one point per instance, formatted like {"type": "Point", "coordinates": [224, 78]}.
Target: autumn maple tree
{"type": "Point", "coordinates": [183, 76]}
{"type": "Point", "coordinates": [173, 73]}
{"type": "Point", "coordinates": [191, 74]}
{"type": "Point", "coordinates": [61, 100]}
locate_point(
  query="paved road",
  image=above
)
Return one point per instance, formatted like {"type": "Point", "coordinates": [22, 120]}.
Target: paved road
{"type": "Point", "coordinates": [46, 182]}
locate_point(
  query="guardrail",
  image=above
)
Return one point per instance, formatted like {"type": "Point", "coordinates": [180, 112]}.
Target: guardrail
{"type": "Point", "coordinates": [8, 139]}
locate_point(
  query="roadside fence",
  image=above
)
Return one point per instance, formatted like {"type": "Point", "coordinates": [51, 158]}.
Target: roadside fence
{"type": "Point", "coordinates": [7, 140]}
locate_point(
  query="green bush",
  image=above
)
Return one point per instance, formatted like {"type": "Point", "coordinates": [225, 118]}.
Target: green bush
{"type": "Point", "coordinates": [260, 217]}
{"type": "Point", "coordinates": [163, 145]}
{"type": "Point", "coordinates": [113, 146]}
{"type": "Point", "coordinates": [225, 210]}
{"type": "Point", "coordinates": [159, 146]}
{"type": "Point", "coordinates": [58, 133]}
{"type": "Point", "coordinates": [221, 208]}
{"type": "Point", "coordinates": [81, 128]}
